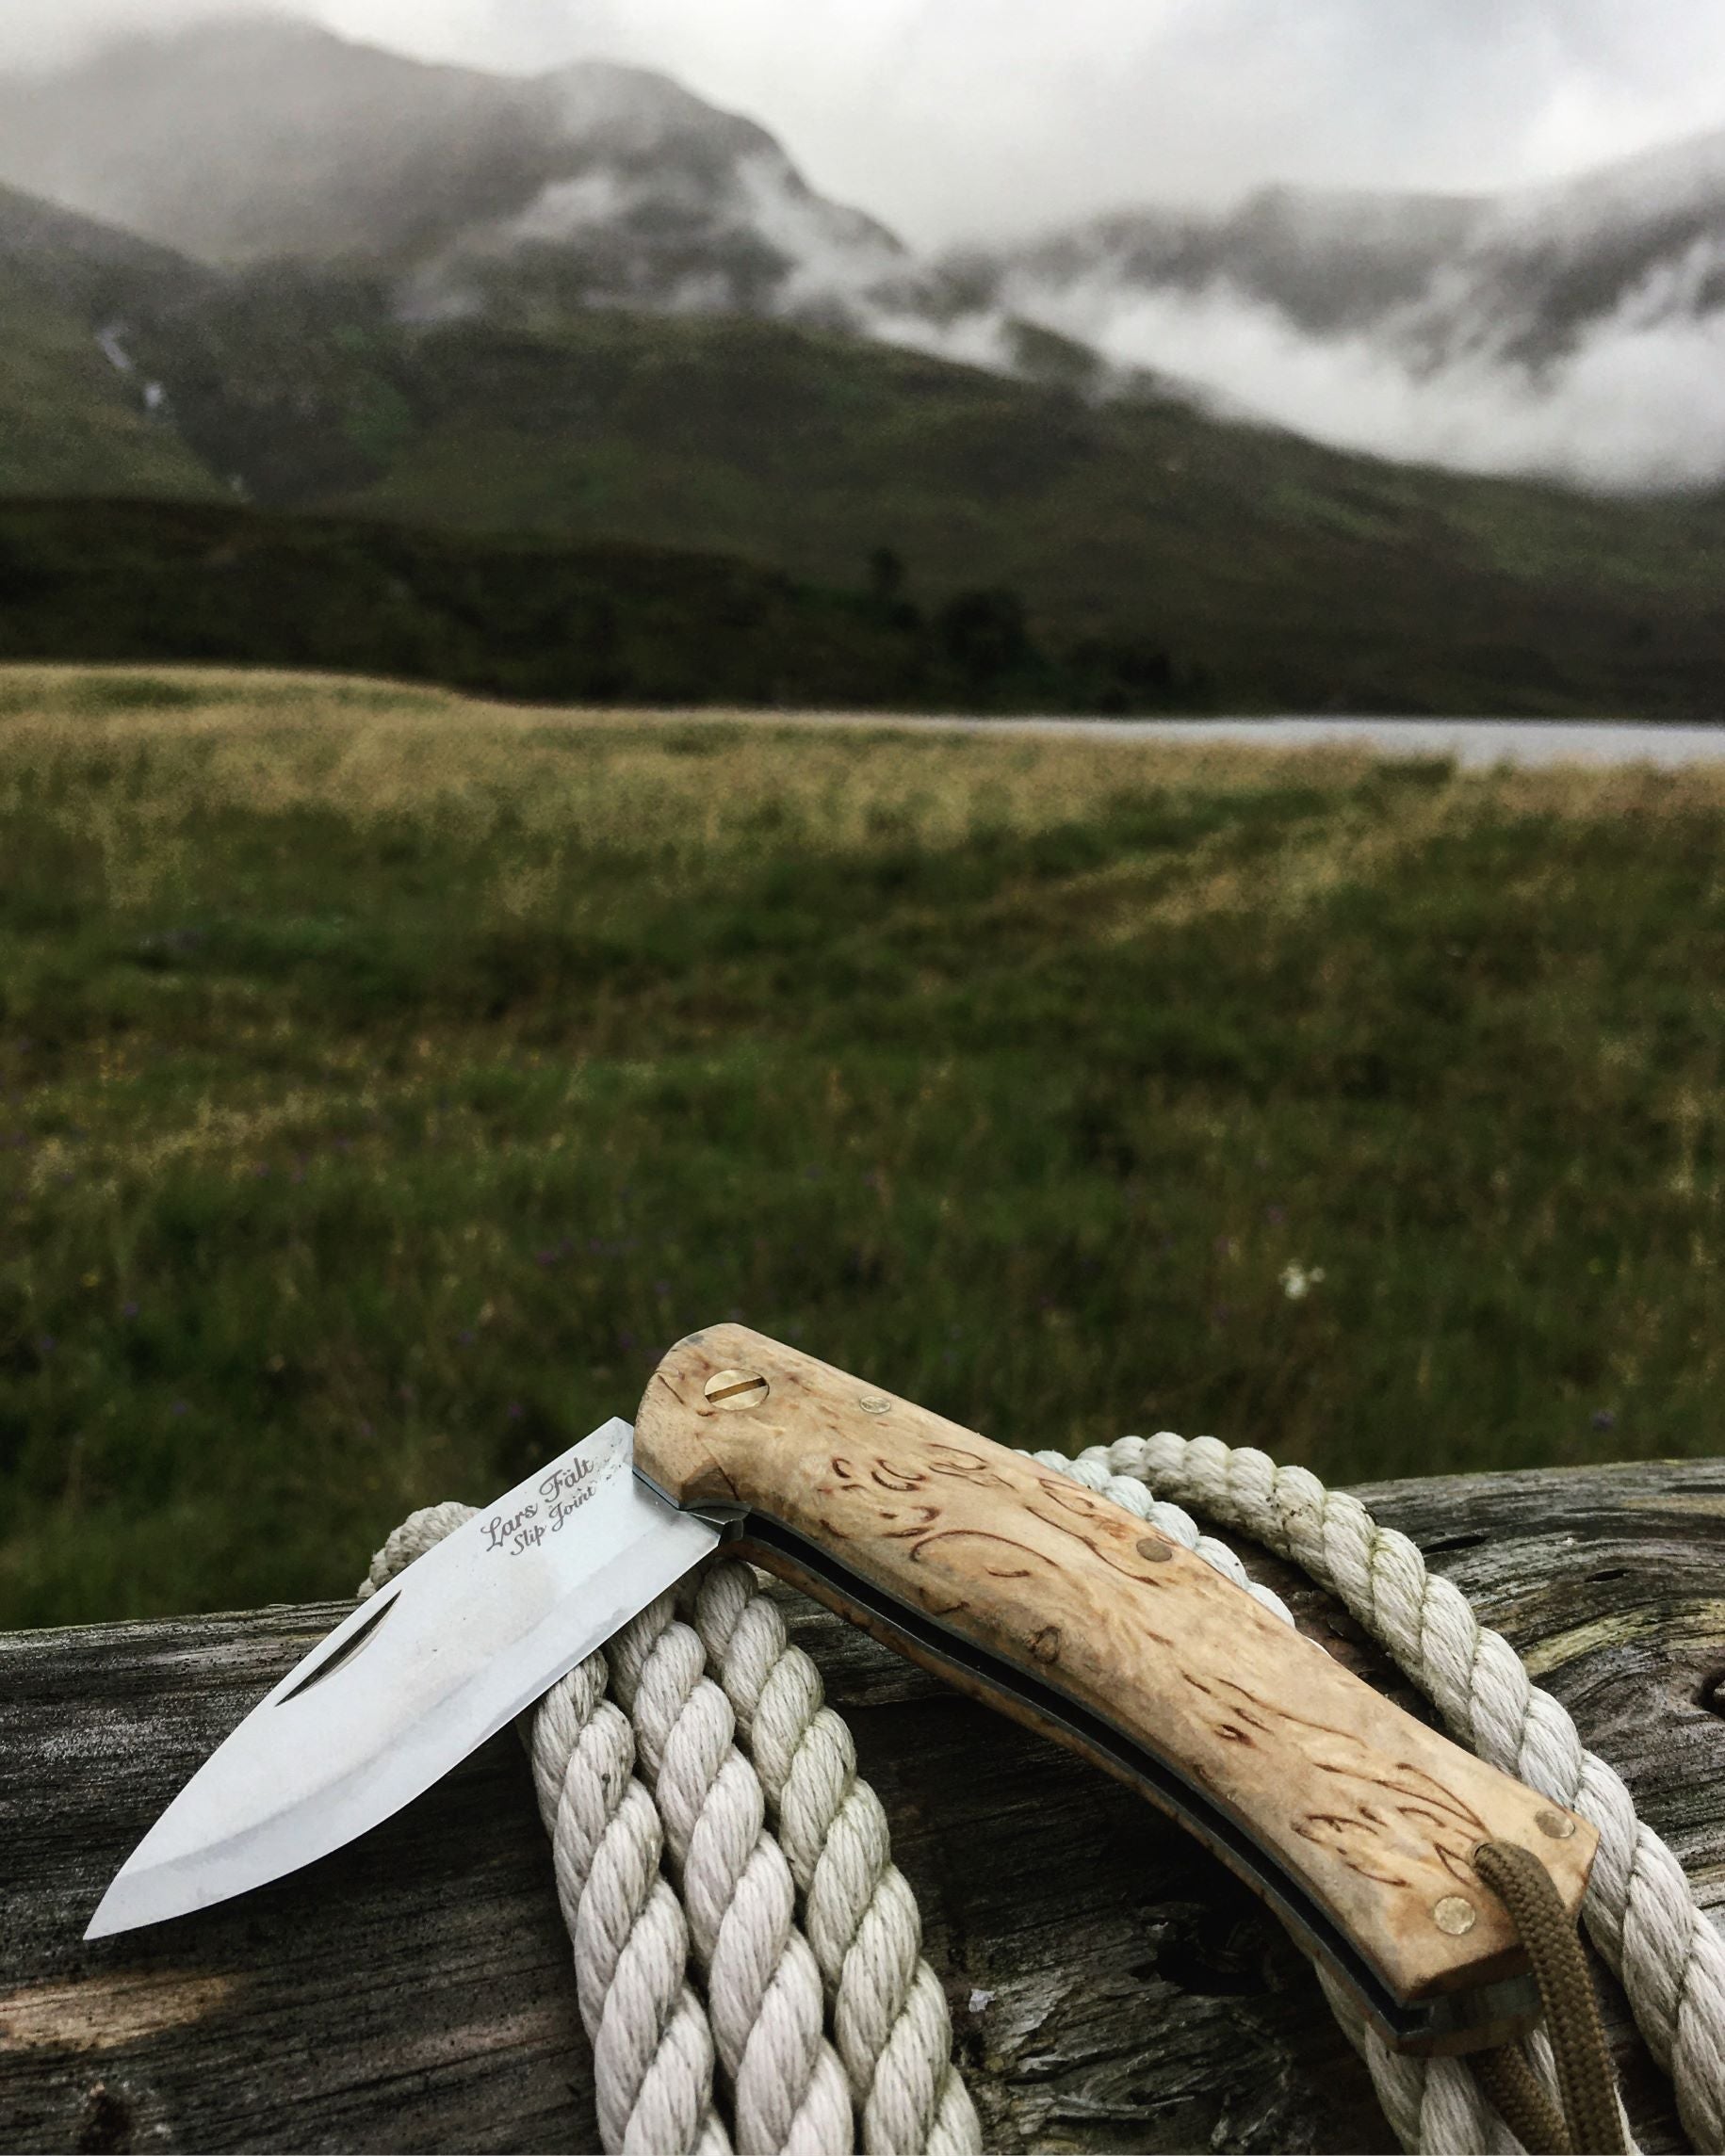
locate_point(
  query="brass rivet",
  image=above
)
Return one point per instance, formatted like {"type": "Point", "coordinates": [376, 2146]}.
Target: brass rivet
{"type": "Point", "coordinates": [872, 1403]}
{"type": "Point", "coordinates": [1455, 1914]}
{"type": "Point", "coordinates": [1559, 1825]}
{"type": "Point", "coordinates": [736, 1388]}
{"type": "Point", "coordinates": [1155, 1551]}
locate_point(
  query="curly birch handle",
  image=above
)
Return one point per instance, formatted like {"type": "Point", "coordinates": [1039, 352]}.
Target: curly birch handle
{"type": "Point", "coordinates": [1355, 1820]}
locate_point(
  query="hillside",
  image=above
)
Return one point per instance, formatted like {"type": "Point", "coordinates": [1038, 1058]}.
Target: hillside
{"type": "Point", "coordinates": [1290, 576]}
{"type": "Point", "coordinates": [1295, 576]}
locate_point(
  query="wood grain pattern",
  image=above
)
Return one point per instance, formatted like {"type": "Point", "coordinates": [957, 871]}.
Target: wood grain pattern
{"type": "Point", "coordinates": [1374, 1814]}
{"type": "Point", "coordinates": [1113, 1989]}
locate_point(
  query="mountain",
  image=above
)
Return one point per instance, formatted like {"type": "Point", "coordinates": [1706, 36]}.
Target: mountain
{"type": "Point", "coordinates": [1526, 276]}
{"type": "Point", "coordinates": [397, 325]}
{"type": "Point", "coordinates": [245, 141]}
{"type": "Point", "coordinates": [1148, 543]}
{"type": "Point", "coordinates": [1641, 242]}
{"type": "Point", "coordinates": [1330, 260]}
{"type": "Point", "coordinates": [1575, 330]}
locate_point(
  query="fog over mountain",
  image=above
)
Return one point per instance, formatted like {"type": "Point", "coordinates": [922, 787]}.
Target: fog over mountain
{"type": "Point", "coordinates": [1575, 330]}
{"type": "Point", "coordinates": [249, 142]}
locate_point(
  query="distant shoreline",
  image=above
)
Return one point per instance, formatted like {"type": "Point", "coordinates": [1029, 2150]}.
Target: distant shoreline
{"type": "Point", "coordinates": [1476, 744]}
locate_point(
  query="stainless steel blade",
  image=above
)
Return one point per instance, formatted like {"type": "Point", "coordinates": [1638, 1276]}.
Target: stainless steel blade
{"type": "Point", "coordinates": [467, 1636]}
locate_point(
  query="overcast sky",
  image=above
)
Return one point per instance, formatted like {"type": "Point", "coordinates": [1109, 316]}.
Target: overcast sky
{"type": "Point", "coordinates": [948, 118]}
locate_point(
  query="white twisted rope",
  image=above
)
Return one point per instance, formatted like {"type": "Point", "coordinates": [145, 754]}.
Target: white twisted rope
{"type": "Point", "coordinates": [1664, 1948]}
{"type": "Point", "coordinates": [626, 1795]}
{"type": "Point", "coordinates": [652, 2043]}
{"type": "Point", "coordinates": [889, 2013]}
{"type": "Point", "coordinates": [763, 1987]}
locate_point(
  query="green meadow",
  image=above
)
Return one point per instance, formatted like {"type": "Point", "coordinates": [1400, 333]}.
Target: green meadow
{"type": "Point", "coordinates": [386, 1079]}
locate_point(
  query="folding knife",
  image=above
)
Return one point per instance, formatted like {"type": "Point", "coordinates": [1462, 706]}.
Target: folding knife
{"type": "Point", "coordinates": [1353, 1820]}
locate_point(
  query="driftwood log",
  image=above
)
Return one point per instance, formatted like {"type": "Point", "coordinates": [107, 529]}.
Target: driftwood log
{"type": "Point", "coordinates": [1112, 1987]}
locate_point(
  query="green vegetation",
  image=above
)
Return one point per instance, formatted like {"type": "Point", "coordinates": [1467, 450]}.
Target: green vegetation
{"type": "Point", "coordinates": [532, 618]}
{"type": "Point", "coordinates": [1288, 576]}
{"type": "Point", "coordinates": [1296, 578]}
{"type": "Point", "coordinates": [388, 1079]}
{"type": "Point", "coordinates": [69, 421]}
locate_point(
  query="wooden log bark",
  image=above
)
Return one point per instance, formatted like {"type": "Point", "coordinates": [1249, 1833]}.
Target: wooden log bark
{"type": "Point", "coordinates": [1112, 1987]}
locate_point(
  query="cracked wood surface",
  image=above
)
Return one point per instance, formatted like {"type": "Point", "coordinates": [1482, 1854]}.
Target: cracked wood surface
{"type": "Point", "coordinates": [1112, 1987]}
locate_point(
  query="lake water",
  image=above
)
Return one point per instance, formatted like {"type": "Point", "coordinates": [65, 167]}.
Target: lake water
{"type": "Point", "coordinates": [1474, 743]}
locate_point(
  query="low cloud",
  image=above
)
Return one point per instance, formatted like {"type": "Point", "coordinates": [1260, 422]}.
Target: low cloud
{"type": "Point", "coordinates": [1638, 403]}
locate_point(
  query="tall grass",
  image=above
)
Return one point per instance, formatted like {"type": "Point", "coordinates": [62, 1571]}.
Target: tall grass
{"type": "Point", "coordinates": [385, 1080]}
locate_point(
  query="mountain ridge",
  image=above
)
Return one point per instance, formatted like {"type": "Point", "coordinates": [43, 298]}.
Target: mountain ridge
{"type": "Point", "coordinates": [1109, 507]}
{"type": "Point", "coordinates": [255, 138]}
{"type": "Point", "coordinates": [1570, 331]}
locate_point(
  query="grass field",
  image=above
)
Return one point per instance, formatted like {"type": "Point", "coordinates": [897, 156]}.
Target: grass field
{"type": "Point", "coordinates": [386, 1079]}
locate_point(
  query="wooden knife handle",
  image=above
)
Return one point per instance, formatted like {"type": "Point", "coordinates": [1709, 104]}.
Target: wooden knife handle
{"type": "Point", "coordinates": [1085, 1622]}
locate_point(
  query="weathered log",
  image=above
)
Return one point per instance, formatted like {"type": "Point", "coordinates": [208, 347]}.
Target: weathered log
{"type": "Point", "coordinates": [1112, 1987]}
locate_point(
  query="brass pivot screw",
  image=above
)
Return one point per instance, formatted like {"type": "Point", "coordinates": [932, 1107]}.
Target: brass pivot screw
{"type": "Point", "coordinates": [1558, 1825]}
{"type": "Point", "coordinates": [736, 1388]}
